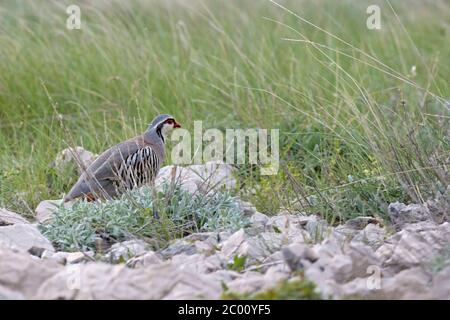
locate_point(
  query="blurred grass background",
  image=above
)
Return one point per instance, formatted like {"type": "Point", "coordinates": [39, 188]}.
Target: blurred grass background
{"type": "Point", "coordinates": [363, 114]}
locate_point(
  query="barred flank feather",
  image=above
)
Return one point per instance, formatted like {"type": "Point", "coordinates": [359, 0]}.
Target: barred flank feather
{"type": "Point", "coordinates": [139, 168]}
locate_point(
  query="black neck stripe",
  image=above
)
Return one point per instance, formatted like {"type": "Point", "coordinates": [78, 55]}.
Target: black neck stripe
{"type": "Point", "coordinates": [158, 131]}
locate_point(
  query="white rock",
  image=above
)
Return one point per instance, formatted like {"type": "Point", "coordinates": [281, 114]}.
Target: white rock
{"type": "Point", "coordinates": [293, 226]}
{"type": "Point", "coordinates": [212, 175]}
{"type": "Point", "coordinates": [361, 222]}
{"type": "Point", "coordinates": [58, 257]}
{"type": "Point", "coordinates": [341, 267]}
{"type": "Point", "coordinates": [253, 282]}
{"type": "Point", "coordinates": [144, 260]}
{"type": "Point", "coordinates": [413, 246]}
{"type": "Point", "coordinates": [372, 235]}
{"type": "Point", "coordinates": [223, 235]}
{"type": "Point", "coordinates": [408, 284]}
{"type": "Point", "coordinates": [78, 155]}
{"type": "Point", "coordinates": [441, 284]}
{"type": "Point", "coordinates": [323, 278]}
{"type": "Point", "coordinates": [8, 217]}
{"type": "Point", "coordinates": [224, 276]}
{"type": "Point", "coordinates": [331, 264]}
{"type": "Point", "coordinates": [22, 273]}
{"type": "Point", "coordinates": [275, 260]}
{"type": "Point", "coordinates": [198, 263]}
{"type": "Point", "coordinates": [77, 257]}
{"type": "Point", "coordinates": [68, 257]}
{"type": "Point", "coordinates": [317, 229]}
{"type": "Point", "coordinates": [259, 221]}
{"type": "Point", "coordinates": [7, 294]}
{"type": "Point", "coordinates": [256, 248]}
{"type": "Point", "coordinates": [24, 237]}
{"type": "Point", "coordinates": [296, 253]}
{"type": "Point", "coordinates": [345, 233]}
{"type": "Point", "coordinates": [107, 282]}
{"type": "Point", "coordinates": [402, 214]}
{"type": "Point", "coordinates": [204, 242]}
{"type": "Point", "coordinates": [179, 246]}
{"type": "Point", "coordinates": [125, 250]}
{"type": "Point", "coordinates": [248, 208]}
{"type": "Point", "coordinates": [45, 210]}
{"type": "Point", "coordinates": [329, 247]}
{"type": "Point", "coordinates": [363, 258]}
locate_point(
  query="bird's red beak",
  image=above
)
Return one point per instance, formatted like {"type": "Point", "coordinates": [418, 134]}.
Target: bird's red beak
{"type": "Point", "coordinates": [177, 125]}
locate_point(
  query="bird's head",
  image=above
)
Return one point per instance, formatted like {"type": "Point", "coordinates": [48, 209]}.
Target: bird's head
{"type": "Point", "coordinates": [163, 125]}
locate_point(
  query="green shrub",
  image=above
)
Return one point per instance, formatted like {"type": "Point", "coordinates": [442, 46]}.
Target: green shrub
{"type": "Point", "coordinates": [181, 213]}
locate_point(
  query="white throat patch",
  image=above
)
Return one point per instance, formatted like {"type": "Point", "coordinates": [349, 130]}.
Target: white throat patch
{"type": "Point", "coordinates": [166, 130]}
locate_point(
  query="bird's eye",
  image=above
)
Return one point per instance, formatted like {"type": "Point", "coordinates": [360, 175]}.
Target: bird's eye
{"type": "Point", "coordinates": [170, 121]}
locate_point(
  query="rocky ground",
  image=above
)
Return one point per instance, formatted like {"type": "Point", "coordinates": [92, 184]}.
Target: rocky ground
{"type": "Point", "coordinates": [365, 258]}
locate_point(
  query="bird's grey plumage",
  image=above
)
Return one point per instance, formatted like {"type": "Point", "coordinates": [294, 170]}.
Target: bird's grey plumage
{"type": "Point", "coordinates": [125, 166]}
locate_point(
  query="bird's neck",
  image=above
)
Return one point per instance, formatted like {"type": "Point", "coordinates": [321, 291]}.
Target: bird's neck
{"type": "Point", "coordinates": [155, 136]}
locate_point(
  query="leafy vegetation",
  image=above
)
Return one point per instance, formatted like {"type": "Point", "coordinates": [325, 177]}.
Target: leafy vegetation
{"type": "Point", "coordinates": [238, 263]}
{"type": "Point", "coordinates": [180, 214]}
{"type": "Point", "coordinates": [285, 290]}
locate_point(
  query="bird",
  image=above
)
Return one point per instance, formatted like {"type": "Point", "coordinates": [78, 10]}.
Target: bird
{"type": "Point", "coordinates": [125, 166]}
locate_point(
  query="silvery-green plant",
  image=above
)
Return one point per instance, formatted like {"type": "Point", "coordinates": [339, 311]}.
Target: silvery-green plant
{"type": "Point", "coordinates": [131, 216]}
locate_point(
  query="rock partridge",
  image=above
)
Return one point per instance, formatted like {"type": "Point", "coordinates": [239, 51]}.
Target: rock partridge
{"type": "Point", "coordinates": [127, 165]}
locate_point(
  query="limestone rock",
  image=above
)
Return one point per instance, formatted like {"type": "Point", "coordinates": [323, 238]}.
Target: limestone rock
{"type": "Point", "coordinates": [253, 282]}
{"type": "Point", "coordinates": [402, 214]}
{"type": "Point", "coordinates": [23, 273]}
{"type": "Point", "coordinates": [408, 284]}
{"type": "Point", "coordinates": [255, 248]}
{"type": "Point", "coordinates": [78, 156]}
{"type": "Point", "coordinates": [295, 254]}
{"type": "Point", "coordinates": [63, 258]}
{"type": "Point", "coordinates": [362, 222]}
{"type": "Point", "coordinates": [441, 284]}
{"type": "Point", "coordinates": [123, 251]}
{"type": "Point", "coordinates": [46, 209]}
{"type": "Point", "coordinates": [259, 221]}
{"type": "Point", "coordinates": [297, 227]}
{"type": "Point", "coordinates": [212, 175]}
{"type": "Point", "coordinates": [372, 235]}
{"type": "Point", "coordinates": [144, 260]}
{"type": "Point", "coordinates": [248, 209]}
{"type": "Point", "coordinates": [206, 242]}
{"type": "Point", "coordinates": [317, 229]}
{"type": "Point", "coordinates": [8, 218]}
{"type": "Point", "coordinates": [103, 281]}
{"type": "Point", "coordinates": [198, 263]}
{"type": "Point", "coordinates": [345, 233]}
{"type": "Point", "coordinates": [415, 245]}
{"type": "Point", "coordinates": [363, 258]}
{"type": "Point", "coordinates": [7, 294]}
{"type": "Point", "coordinates": [224, 276]}
{"type": "Point", "coordinates": [24, 237]}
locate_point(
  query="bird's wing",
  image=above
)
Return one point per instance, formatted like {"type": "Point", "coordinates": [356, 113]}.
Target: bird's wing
{"type": "Point", "coordinates": [104, 168]}
{"type": "Point", "coordinates": [116, 155]}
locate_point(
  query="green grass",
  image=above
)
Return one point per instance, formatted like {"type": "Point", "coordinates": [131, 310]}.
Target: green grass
{"type": "Point", "coordinates": [358, 128]}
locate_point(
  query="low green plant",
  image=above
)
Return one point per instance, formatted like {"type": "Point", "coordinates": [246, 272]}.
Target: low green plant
{"type": "Point", "coordinates": [285, 290]}
{"type": "Point", "coordinates": [131, 216]}
{"type": "Point", "coordinates": [238, 263]}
